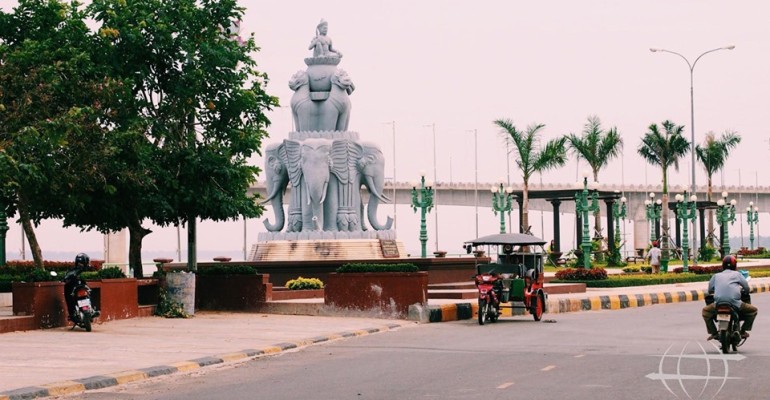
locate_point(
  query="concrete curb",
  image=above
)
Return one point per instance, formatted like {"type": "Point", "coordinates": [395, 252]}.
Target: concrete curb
{"type": "Point", "coordinates": [459, 311]}
{"type": "Point", "coordinates": [119, 378]}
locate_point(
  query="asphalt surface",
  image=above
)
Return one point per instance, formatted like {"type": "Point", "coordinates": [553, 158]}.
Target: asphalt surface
{"type": "Point", "coordinates": [60, 361]}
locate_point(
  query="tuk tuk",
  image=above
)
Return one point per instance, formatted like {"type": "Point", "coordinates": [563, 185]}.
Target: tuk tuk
{"type": "Point", "coordinates": [512, 279]}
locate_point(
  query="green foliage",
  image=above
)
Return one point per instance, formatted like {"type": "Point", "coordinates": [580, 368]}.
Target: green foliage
{"type": "Point", "coordinates": [111, 273]}
{"type": "Point", "coordinates": [304, 284]}
{"type": "Point", "coordinates": [699, 270]}
{"type": "Point", "coordinates": [364, 267]}
{"type": "Point", "coordinates": [631, 269]}
{"type": "Point", "coordinates": [708, 253]}
{"type": "Point", "coordinates": [216, 270]}
{"type": "Point", "coordinates": [41, 275]}
{"type": "Point", "coordinates": [168, 308]}
{"type": "Point", "coordinates": [581, 274]}
{"type": "Point", "coordinates": [90, 275]}
{"type": "Point", "coordinates": [641, 280]}
{"type": "Point", "coordinates": [714, 152]}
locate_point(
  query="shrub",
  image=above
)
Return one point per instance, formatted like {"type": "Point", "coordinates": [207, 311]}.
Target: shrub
{"type": "Point", "coordinates": [304, 284]}
{"type": "Point", "coordinates": [707, 253]}
{"type": "Point", "coordinates": [582, 274]}
{"type": "Point", "coordinates": [631, 269]}
{"type": "Point", "coordinates": [168, 308]}
{"type": "Point", "coordinates": [642, 280]}
{"type": "Point", "coordinates": [111, 273]}
{"type": "Point", "coordinates": [227, 270]}
{"type": "Point", "coordinates": [89, 275]}
{"type": "Point", "coordinates": [41, 275]}
{"type": "Point", "coordinates": [363, 267]}
{"type": "Point", "coordinates": [698, 270]}
{"type": "Point", "coordinates": [646, 270]}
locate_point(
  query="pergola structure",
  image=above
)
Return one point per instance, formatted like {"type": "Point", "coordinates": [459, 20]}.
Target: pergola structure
{"type": "Point", "coordinates": [556, 197]}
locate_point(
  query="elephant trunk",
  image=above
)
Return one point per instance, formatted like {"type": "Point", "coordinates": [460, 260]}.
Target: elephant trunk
{"type": "Point", "coordinates": [374, 201]}
{"type": "Point", "coordinates": [275, 197]}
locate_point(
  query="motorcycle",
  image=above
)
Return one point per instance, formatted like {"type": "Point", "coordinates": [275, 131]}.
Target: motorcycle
{"type": "Point", "coordinates": [728, 324]}
{"type": "Point", "coordinates": [82, 312]}
{"type": "Point", "coordinates": [490, 288]}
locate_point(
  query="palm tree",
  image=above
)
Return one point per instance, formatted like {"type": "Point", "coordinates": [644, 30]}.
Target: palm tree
{"type": "Point", "coordinates": [530, 159]}
{"type": "Point", "coordinates": [664, 149]}
{"type": "Point", "coordinates": [713, 155]}
{"type": "Point", "coordinates": [597, 147]}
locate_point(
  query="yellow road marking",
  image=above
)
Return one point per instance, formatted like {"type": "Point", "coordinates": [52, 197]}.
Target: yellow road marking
{"type": "Point", "coordinates": [65, 387]}
{"type": "Point", "coordinates": [185, 366]}
{"type": "Point", "coordinates": [128, 376]}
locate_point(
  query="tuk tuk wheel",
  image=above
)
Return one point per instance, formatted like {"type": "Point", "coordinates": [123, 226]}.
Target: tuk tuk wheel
{"type": "Point", "coordinates": [537, 306]}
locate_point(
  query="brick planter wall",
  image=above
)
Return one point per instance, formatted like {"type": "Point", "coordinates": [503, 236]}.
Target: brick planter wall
{"type": "Point", "coordinates": [386, 291]}
{"type": "Point", "coordinates": [115, 298]}
{"type": "Point", "coordinates": [44, 301]}
{"type": "Point", "coordinates": [232, 292]}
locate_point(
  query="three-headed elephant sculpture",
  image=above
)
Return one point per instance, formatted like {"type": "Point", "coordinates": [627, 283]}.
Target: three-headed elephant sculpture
{"type": "Point", "coordinates": [326, 178]}
{"type": "Point", "coordinates": [330, 111]}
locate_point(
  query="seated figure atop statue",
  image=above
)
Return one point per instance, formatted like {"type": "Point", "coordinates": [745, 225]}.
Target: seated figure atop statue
{"type": "Point", "coordinates": [322, 44]}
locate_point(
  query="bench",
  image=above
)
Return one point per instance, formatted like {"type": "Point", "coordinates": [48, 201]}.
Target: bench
{"type": "Point", "coordinates": [634, 259]}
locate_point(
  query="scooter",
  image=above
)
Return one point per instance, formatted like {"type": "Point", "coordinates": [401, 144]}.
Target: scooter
{"type": "Point", "coordinates": [490, 288]}
{"type": "Point", "coordinates": [82, 313]}
{"type": "Point", "coordinates": [728, 324]}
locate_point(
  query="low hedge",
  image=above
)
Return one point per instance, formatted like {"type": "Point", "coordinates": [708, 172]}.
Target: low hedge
{"type": "Point", "coordinates": [216, 270]}
{"type": "Point", "coordinates": [698, 270]}
{"type": "Point", "coordinates": [582, 274]}
{"type": "Point", "coordinates": [364, 267]}
{"type": "Point", "coordinates": [640, 280]}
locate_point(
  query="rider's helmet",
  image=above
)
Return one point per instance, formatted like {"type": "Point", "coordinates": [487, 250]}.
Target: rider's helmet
{"type": "Point", "coordinates": [82, 261]}
{"type": "Point", "coordinates": [730, 262]}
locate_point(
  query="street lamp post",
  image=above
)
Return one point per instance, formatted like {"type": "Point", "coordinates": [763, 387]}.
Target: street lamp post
{"type": "Point", "coordinates": [691, 67]}
{"type": "Point", "coordinates": [584, 208]}
{"type": "Point", "coordinates": [685, 210]}
{"type": "Point", "coordinates": [725, 214]}
{"type": "Point", "coordinates": [501, 202]}
{"type": "Point", "coordinates": [618, 212]}
{"type": "Point", "coordinates": [422, 198]}
{"type": "Point", "coordinates": [653, 208]}
{"type": "Point", "coordinates": [752, 217]}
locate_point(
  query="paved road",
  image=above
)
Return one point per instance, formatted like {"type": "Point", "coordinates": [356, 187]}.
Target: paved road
{"type": "Point", "coordinates": [591, 355]}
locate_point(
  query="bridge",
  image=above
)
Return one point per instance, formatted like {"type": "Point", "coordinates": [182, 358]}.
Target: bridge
{"type": "Point", "coordinates": [557, 198]}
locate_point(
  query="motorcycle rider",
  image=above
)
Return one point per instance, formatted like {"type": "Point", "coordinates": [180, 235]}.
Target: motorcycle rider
{"type": "Point", "coordinates": [727, 287]}
{"type": "Point", "coordinates": [82, 263]}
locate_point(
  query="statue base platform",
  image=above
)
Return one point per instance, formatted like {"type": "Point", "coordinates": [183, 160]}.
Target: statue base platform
{"type": "Point", "coordinates": [327, 249]}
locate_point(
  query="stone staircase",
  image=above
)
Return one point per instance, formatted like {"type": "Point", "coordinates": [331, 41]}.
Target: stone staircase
{"type": "Point", "coordinates": [304, 250]}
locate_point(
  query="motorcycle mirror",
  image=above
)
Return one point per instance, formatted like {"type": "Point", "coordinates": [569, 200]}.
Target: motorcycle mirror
{"type": "Point", "coordinates": [53, 273]}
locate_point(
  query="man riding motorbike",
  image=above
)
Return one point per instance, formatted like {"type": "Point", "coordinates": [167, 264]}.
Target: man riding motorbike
{"type": "Point", "coordinates": [727, 287]}
{"type": "Point", "coordinates": [71, 279]}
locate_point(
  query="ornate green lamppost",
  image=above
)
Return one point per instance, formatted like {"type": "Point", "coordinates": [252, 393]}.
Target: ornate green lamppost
{"type": "Point", "coordinates": [501, 202]}
{"type": "Point", "coordinates": [685, 211]}
{"type": "Point", "coordinates": [752, 217]}
{"type": "Point", "coordinates": [653, 208]}
{"type": "Point", "coordinates": [725, 214]}
{"type": "Point", "coordinates": [584, 208]}
{"type": "Point", "coordinates": [422, 198]}
{"type": "Point", "coordinates": [618, 212]}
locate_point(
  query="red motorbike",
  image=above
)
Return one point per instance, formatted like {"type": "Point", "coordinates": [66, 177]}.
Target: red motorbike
{"type": "Point", "coordinates": [490, 290]}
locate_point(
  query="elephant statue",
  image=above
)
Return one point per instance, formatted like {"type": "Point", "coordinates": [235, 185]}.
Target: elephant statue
{"type": "Point", "coordinates": [371, 169]}
{"type": "Point", "coordinates": [321, 111]}
{"type": "Point", "coordinates": [309, 171]}
{"type": "Point", "coordinates": [303, 110]}
{"type": "Point", "coordinates": [277, 179]}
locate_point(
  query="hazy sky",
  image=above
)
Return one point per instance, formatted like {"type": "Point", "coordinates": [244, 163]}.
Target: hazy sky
{"type": "Point", "coordinates": [461, 65]}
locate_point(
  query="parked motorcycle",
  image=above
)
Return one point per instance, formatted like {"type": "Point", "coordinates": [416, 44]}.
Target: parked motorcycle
{"type": "Point", "coordinates": [490, 290]}
{"type": "Point", "coordinates": [78, 298]}
{"type": "Point", "coordinates": [728, 324]}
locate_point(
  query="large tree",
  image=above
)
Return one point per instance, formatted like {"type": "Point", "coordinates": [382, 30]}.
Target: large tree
{"type": "Point", "coordinates": [664, 149]}
{"type": "Point", "coordinates": [597, 147]}
{"type": "Point", "coordinates": [713, 155]}
{"type": "Point", "coordinates": [193, 115]}
{"type": "Point", "coordinates": [531, 158]}
{"type": "Point", "coordinates": [50, 93]}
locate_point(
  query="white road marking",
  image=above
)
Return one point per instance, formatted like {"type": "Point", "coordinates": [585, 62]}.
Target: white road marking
{"type": "Point", "coordinates": [548, 368]}
{"type": "Point", "coordinates": [505, 385]}
{"type": "Point", "coordinates": [580, 355]}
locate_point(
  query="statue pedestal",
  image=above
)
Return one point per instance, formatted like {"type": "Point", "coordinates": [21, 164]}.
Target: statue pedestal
{"type": "Point", "coordinates": [321, 249]}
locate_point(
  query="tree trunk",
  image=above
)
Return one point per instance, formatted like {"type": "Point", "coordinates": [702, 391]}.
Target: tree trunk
{"type": "Point", "coordinates": [598, 217]}
{"type": "Point", "coordinates": [29, 231]}
{"type": "Point", "coordinates": [525, 207]}
{"type": "Point", "coordinates": [136, 234]}
{"type": "Point", "coordinates": [710, 217]}
{"type": "Point", "coordinates": [664, 239]}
